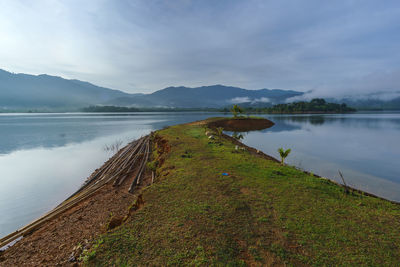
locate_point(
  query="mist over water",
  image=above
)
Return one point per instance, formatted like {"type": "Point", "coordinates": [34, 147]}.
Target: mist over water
{"type": "Point", "coordinates": [44, 158]}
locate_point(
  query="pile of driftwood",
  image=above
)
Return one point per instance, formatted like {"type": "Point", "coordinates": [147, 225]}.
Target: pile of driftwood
{"type": "Point", "coordinates": [124, 164]}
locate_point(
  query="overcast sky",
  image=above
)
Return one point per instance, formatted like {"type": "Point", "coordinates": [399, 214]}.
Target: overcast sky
{"type": "Point", "coordinates": [331, 47]}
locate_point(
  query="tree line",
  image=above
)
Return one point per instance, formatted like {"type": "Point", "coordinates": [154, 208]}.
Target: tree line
{"type": "Point", "coordinates": [316, 105]}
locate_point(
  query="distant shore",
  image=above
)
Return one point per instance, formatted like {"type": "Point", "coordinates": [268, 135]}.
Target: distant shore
{"type": "Point", "coordinates": [120, 109]}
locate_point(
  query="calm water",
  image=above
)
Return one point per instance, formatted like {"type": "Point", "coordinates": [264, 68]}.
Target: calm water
{"type": "Point", "coordinates": [46, 157]}
{"type": "Point", "coordinates": [365, 147]}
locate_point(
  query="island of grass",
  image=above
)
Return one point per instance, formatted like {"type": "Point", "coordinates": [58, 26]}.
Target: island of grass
{"type": "Point", "coordinates": [213, 204]}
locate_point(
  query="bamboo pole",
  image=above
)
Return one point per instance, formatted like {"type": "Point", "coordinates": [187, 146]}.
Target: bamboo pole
{"type": "Point", "coordinates": [121, 163]}
{"type": "Point", "coordinates": [141, 168]}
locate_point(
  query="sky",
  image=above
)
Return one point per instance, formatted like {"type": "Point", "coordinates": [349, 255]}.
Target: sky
{"type": "Point", "coordinates": [331, 48]}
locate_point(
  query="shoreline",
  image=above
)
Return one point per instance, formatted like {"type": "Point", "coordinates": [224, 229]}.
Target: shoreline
{"type": "Point", "coordinates": [259, 152]}
{"type": "Point", "coordinates": [116, 185]}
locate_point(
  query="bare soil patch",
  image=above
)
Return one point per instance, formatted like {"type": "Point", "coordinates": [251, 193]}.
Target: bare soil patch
{"type": "Point", "coordinates": [60, 241]}
{"type": "Point", "coordinates": [241, 125]}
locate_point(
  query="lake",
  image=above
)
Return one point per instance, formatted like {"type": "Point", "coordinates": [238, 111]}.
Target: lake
{"type": "Point", "coordinates": [44, 158]}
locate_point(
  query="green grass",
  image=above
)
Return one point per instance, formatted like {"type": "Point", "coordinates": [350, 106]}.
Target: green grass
{"type": "Point", "coordinates": [261, 214]}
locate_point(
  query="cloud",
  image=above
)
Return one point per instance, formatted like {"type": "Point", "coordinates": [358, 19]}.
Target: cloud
{"type": "Point", "coordinates": [385, 96]}
{"type": "Point", "coordinates": [247, 99]}
{"type": "Point", "coordinates": [262, 99]}
{"type": "Point", "coordinates": [238, 100]}
{"type": "Point", "coordinates": [142, 46]}
{"type": "Point", "coordinates": [378, 85]}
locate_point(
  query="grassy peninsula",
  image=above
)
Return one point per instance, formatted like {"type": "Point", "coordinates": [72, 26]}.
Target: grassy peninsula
{"type": "Point", "coordinates": [260, 214]}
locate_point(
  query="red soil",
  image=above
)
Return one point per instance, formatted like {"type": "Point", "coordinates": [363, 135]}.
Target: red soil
{"type": "Point", "coordinates": [241, 125]}
{"type": "Point", "coordinates": [60, 241]}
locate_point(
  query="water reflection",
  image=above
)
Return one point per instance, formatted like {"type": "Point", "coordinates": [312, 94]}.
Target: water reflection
{"type": "Point", "coordinates": [364, 146]}
{"type": "Point", "coordinates": [370, 121]}
{"type": "Point", "coordinates": [312, 119]}
{"type": "Point", "coordinates": [28, 131]}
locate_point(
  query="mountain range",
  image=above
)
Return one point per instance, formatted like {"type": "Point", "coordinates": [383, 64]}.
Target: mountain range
{"type": "Point", "coordinates": [45, 92]}
{"type": "Point", "coordinates": [214, 96]}
{"type": "Point", "coordinates": [23, 92]}
{"type": "Point", "coordinates": [19, 91]}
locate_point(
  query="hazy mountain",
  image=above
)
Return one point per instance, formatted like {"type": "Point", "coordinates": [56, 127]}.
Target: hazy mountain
{"type": "Point", "coordinates": [44, 92]}
{"type": "Point", "coordinates": [371, 103]}
{"type": "Point", "coordinates": [206, 96]}
{"type": "Point", "coordinates": [23, 91]}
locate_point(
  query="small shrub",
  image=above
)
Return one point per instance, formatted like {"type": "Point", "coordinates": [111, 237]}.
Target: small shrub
{"type": "Point", "coordinates": [236, 110]}
{"type": "Point", "coordinates": [152, 165]}
{"type": "Point", "coordinates": [114, 147]}
{"type": "Point", "coordinates": [284, 154]}
{"type": "Point", "coordinates": [219, 131]}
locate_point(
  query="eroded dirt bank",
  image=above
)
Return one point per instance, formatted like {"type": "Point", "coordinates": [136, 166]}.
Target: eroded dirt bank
{"type": "Point", "coordinates": [63, 239]}
{"type": "Point", "coordinates": [241, 124]}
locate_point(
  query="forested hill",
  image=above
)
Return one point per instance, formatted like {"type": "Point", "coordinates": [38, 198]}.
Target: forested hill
{"type": "Point", "coordinates": [316, 105]}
